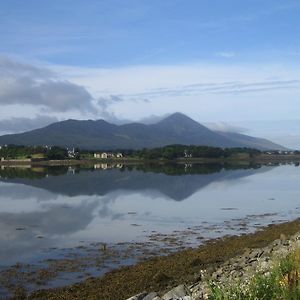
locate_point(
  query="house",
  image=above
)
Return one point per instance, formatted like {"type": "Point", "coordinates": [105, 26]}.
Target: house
{"type": "Point", "coordinates": [71, 153]}
{"type": "Point", "coordinates": [105, 155]}
{"type": "Point", "coordinates": [186, 154]}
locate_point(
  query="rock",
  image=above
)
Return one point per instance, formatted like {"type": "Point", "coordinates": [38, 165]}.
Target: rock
{"type": "Point", "coordinates": [216, 275]}
{"type": "Point", "coordinates": [264, 266]}
{"type": "Point", "coordinates": [178, 293]}
{"type": "Point", "coordinates": [138, 296]}
{"type": "Point", "coordinates": [237, 269]}
{"type": "Point", "coordinates": [286, 243]}
{"type": "Point", "coordinates": [151, 296]}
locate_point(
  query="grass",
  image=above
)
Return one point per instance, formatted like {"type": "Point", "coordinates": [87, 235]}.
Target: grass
{"type": "Point", "coordinates": [281, 283]}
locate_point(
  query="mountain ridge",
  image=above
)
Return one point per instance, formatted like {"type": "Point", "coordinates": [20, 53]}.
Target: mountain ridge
{"type": "Point", "coordinates": [177, 128]}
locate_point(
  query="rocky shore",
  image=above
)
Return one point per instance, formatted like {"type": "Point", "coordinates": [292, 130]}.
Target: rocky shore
{"type": "Point", "coordinates": [189, 271]}
{"type": "Point", "coordinates": [235, 270]}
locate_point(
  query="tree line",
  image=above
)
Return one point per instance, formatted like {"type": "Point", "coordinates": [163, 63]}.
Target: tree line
{"type": "Point", "coordinates": [183, 151]}
{"type": "Point", "coordinates": [36, 152]}
{"type": "Point", "coordinates": [170, 152]}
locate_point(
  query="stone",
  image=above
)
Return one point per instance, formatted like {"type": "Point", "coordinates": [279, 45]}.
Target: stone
{"type": "Point", "coordinates": [177, 293]}
{"type": "Point", "coordinates": [235, 270]}
{"type": "Point", "coordinates": [264, 266]}
{"type": "Point", "coordinates": [202, 292]}
{"type": "Point", "coordinates": [138, 296]}
{"type": "Point", "coordinates": [150, 296]}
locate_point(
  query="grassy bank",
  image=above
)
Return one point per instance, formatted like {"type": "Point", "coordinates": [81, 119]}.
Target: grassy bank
{"type": "Point", "coordinates": [282, 282]}
{"type": "Point", "coordinates": [162, 273]}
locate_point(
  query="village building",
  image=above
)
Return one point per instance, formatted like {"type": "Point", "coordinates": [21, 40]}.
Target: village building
{"type": "Point", "coordinates": [105, 155]}
{"type": "Point", "coordinates": [71, 153]}
{"type": "Point", "coordinates": [97, 155]}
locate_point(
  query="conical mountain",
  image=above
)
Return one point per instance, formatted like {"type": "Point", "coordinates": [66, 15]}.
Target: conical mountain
{"type": "Point", "coordinates": [179, 123]}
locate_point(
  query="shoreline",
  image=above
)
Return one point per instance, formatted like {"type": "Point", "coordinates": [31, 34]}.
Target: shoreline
{"type": "Point", "coordinates": [162, 273]}
{"type": "Point", "coordinates": [242, 275]}
{"type": "Point", "coordinates": [72, 162]}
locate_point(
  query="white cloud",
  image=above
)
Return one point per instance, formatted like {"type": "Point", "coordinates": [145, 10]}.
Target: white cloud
{"type": "Point", "coordinates": [228, 54]}
{"type": "Point", "coordinates": [226, 127]}
{"type": "Point", "coordinates": [38, 86]}
{"type": "Point", "coordinates": [27, 90]}
{"type": "Point", "coordinates": [206, 92]}
{"type": "Point", "coordinates": [14, 125]}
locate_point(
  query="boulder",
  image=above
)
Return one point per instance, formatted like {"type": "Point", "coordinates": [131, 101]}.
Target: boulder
{"type": "Point", "coordinates": [181, 292]}
{"type": "Point", "coordinates": [140, 296]}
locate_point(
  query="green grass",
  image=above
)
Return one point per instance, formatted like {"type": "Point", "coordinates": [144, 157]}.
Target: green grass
{"type": "Point", "coordinates": [281, 283]}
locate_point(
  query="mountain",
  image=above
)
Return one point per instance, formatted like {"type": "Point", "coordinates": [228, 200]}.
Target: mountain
{"type": "Point", "coordinates": [251, 142]}
{"type": "Point", "coordinates": [175, 129]}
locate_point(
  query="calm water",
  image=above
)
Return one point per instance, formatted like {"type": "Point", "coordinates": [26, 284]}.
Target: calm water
{"type": "Point", "coordinates": [43, 211]}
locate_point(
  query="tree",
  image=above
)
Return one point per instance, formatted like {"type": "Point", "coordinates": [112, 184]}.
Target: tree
{"type": "Point", "coordinates": [57, 153]}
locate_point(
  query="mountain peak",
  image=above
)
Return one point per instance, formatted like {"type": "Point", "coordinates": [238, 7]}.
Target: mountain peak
{"type": "Point", "coordinates": [181, 122]}
{"type": "Point", "coordinates": [177, 116]}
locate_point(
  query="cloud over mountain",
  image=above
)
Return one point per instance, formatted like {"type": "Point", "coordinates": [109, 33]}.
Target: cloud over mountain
{"type": "Point", "coordinates": [25, 84]}
{"type": "Point", "coordinates": [13, 125]}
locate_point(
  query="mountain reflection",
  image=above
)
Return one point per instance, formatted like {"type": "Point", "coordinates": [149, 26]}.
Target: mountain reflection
{"type": "Point", "coordinates": [176, 181]}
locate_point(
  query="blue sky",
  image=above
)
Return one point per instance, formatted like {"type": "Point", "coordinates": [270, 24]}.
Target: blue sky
{"type": "Point", "coordinates": [227, 63]}
{"type": "Point", "coordinates": [118, 33]}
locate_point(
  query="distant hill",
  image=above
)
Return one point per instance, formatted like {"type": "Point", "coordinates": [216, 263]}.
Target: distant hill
{"type": "Point", "coordinates": [175, 129]}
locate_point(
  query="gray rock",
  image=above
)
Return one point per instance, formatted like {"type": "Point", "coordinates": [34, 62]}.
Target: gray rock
{"type": "Point", "coordinates": [150, 296]}
{"type": "Point", "coordinates": [138, 296]}
{"type": "Point", "coordinates": [236, 269]}
{"type": "Point", "coordinates": [201, 291]}
{"type": "Point", "coordinates": [264, 266]}
{"type": "Point", "coordinates": [177, 293]}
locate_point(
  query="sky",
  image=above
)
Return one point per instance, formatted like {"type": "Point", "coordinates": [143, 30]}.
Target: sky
{"type": "Point", "coordinates": [231, 65]}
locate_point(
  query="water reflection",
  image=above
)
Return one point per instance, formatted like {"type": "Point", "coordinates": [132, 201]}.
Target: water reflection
{"type": "Point", "coordinates": [61, 206]}
{"type": "Point", "coordinates": [101, 180]}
